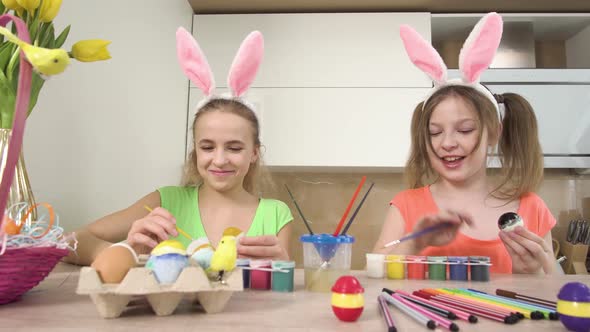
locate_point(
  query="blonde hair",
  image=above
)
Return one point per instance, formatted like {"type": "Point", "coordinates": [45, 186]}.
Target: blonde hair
{"type": "Point", "coordinates": [519, 149]}
{"type": "Point", "coordinates": [257, 175]}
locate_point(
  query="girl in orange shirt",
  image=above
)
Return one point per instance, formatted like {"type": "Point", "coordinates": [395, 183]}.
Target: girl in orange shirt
{"type": "Point", "coordinates": [454, 130]}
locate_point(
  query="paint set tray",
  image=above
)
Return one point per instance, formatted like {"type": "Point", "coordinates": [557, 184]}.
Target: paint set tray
{"type": "Point", "coordinates": [192, 284]}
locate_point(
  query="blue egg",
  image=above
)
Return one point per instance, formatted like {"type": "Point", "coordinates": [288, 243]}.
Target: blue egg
{"type": "Point", "coordinates": [167, 267]}
{"type": "Point", "coordinates": [203, 257]}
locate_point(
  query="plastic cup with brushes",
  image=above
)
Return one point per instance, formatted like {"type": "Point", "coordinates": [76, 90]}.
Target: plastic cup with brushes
{"type": "Point", "coordinates": [326, 257]}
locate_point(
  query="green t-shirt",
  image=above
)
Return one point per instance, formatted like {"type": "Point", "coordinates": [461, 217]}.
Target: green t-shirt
{"type": "Point", "coordinates": [183, 202]}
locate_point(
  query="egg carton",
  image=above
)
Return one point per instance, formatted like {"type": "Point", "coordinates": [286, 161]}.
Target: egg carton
{"type": "Point", "coordinates": [192, 284]}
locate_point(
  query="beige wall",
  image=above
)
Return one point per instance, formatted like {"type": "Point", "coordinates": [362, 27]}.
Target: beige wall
{"type": "Point", "coordinates": [323, 198]}
{"type": "Point", "coordinates": [104, 134]}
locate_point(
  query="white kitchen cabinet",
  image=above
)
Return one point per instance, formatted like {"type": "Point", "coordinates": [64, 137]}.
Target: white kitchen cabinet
{"type": "Point", "coordinates": [317, 50]}
{"type": "Point", "coordinates": [332, 127]}
{"type": "Point", "coordinates": [563, 118]}
{"type": "Point", "coordinates": [334, 90]}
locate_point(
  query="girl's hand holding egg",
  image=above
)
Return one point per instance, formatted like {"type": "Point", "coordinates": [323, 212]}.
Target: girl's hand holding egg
{"type": "Point", "coordinates": [147, 232]}
{"type": "Point", "coordinates": [529, 252]}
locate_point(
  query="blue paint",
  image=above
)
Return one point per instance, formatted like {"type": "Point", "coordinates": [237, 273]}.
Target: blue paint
{"type": "Point", "coordinates": [458, 268]}
{"type": "Point", "coordinates": [244, 262]}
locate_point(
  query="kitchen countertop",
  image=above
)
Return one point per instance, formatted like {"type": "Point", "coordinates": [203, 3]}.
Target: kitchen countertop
{"type": "Point", "coordinates": [54, 305]}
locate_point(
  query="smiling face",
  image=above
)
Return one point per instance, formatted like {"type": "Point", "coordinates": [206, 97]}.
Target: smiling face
{"type": "Point", "coordinates": [456, 152]}
{"type": "Point", "coordinates": [224, 148]}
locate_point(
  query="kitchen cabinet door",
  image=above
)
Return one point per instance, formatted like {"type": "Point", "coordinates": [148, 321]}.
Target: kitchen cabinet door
{"type": "Point", "coordinates": [563, 116]}
{"type": "Point", "coordinates": [317, 50]}
{"type": "Point", "coordinates": [332, 127]}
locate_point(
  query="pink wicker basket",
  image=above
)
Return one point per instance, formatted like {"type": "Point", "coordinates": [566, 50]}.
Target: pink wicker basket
{"type": "Point", "coordinates": [21, 268]}
{"type": "Point", "coordinates": [24, 268]}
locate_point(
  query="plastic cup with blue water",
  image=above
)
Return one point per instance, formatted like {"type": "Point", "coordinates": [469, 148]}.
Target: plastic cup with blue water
{"type": "Point", "coordinates": [325, 259]}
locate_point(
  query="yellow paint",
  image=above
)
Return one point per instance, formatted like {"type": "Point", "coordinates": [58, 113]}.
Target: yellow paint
{"type": "Point", "coordinates": [169, 247]}
{"type": "Point", "coordinates": [395, 270]}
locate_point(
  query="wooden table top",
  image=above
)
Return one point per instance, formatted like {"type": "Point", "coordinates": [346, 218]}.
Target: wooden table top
{"type": "Point", "coordinates": [54, 305]}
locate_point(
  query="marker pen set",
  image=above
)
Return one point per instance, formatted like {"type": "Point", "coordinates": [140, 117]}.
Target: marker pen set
{"type": "Point", "coordinates": [443, 307]}
{"type": "Point", "coordinates": [458, 268]}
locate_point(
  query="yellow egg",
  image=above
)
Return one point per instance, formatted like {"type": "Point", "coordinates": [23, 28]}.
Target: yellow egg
{"type": "Point", "coordinates": [169, 247]}
{"type": "Point", "coordinates": [113, 263]}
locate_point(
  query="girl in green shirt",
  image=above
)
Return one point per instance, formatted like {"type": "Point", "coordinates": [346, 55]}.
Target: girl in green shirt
{"type": "Point", "coordinates": [220, 179]}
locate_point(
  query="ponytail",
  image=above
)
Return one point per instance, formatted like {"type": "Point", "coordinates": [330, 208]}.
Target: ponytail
{"type": "Point", "coordinates": [418, 166]}
{"type": "Point", "coordinates": [519, 148]}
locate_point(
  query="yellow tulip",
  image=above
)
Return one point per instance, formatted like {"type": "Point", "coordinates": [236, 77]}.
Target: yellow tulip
{"type": "Point", "coordinates": [49, 10]}
{"type": "Point", "coordinates": [29, 5]}
{"type": "Point", "coordinates": [91, 50]}
{"type": "Point", "coordinates": [12, 4]}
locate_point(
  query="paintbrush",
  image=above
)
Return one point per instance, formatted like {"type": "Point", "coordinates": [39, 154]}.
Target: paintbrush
{"type": "Point", "coordinates": [299, 210]}
{"type": "Point", "coordinates": [357, 210]}
{"type": "Point", "coordinates": [183, 233]}
{"type": "Point", "coordinates": [416, 234]}
{"type": "Point", "coordinates": [356, 193]}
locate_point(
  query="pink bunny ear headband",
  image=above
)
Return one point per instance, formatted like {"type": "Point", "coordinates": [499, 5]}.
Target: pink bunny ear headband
{"type": "Point", "coordinates": [476, 55]}
{"type": "Point", "coordinates": [241, 74]}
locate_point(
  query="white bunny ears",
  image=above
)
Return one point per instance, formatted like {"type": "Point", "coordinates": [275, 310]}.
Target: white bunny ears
{"type": "Point", "coordinates": [241, 74]}
{"type": "Point", "coordinates": [476, 55]}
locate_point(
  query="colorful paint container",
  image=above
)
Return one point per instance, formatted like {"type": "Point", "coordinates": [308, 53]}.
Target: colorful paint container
{"type": "Point", "coordinates": [573, 306]}
{"type": "Point", "coordinates": [283, 281]}
{"type": "Point", "coordinates": [260, 279]}
{"type": "Point", "coordinates": [458, 268]}
{"type": "Point", "coordinates": [437, 267]}
{"type": "Point", "coordinates": [244, 262]}
{"type": "Point", "coordinates": [480, 268]}
{"type": "Point", "coordinates": [395, 267]}
{"type": "Point", "coordinates": [347, 299]}
{"type": "Point", "coordinates": [375, 265]}
{"type": "Point", "coordinates": [416, 267]}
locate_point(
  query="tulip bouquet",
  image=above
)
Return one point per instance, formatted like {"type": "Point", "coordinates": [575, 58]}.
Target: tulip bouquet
{"type": "Point", "coordinates": [43, 52]}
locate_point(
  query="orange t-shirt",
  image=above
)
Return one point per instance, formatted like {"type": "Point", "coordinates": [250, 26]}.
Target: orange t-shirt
{"type": "Point", "coordinates": [413, 204]}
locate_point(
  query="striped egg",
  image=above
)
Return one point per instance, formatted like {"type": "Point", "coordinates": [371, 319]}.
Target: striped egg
{"type": "Point", "coordinates": [347, 299]}
{"type": "Point", "coordinates": [573, 306]}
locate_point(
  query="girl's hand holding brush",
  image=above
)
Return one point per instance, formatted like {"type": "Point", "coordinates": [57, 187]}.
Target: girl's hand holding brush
{"type": "Point", "coordinates": [147, 232]}
{"type": "Point", "coordinates": [452, 220]}
{"type": "Point", "coordinates": [432, 230]}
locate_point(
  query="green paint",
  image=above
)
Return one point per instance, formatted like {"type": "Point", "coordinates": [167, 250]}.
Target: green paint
{"type": "Point", "coordinates": [438, 270]}
{"type": "Point", "coordinates": [283, 281]}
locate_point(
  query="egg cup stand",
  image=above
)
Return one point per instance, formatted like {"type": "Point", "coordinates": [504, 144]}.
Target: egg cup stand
{"type": "Point", "coordinates": [192, 284]}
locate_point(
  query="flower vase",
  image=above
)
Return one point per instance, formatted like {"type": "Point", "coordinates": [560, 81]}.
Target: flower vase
{"type": "Point", "coordinates": [20, 190]}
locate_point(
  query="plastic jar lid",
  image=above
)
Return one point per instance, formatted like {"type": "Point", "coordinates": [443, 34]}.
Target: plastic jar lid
{"type": "Point", "coordinates": [243, 262]}
{"type": "Point", "coordinates": [375, 257]}
{"type": "Point", "coordinates": [326, 238]}
{"type": "Point", "coordinates": [458, 259]}
{"type": "Point", "coordinates": [260, 263]}
{"type": "Point", "coordinates": [283, 264]}
{"type": "Point", "coordinates": [416, 259]}
{"type": "Point", "coordinates": [479, 259]}
{"type": "Point", "coordinates": [436, 259]}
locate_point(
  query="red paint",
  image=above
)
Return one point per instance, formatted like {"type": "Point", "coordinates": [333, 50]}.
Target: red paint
{"type": "Point", "coordinates": [260, 279]}
{"type": "Point", "coordinates": [416, 271]}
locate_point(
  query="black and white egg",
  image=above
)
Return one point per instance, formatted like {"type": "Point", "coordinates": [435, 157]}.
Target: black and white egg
{"type": "Point", "coordinates": [509, 221]}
